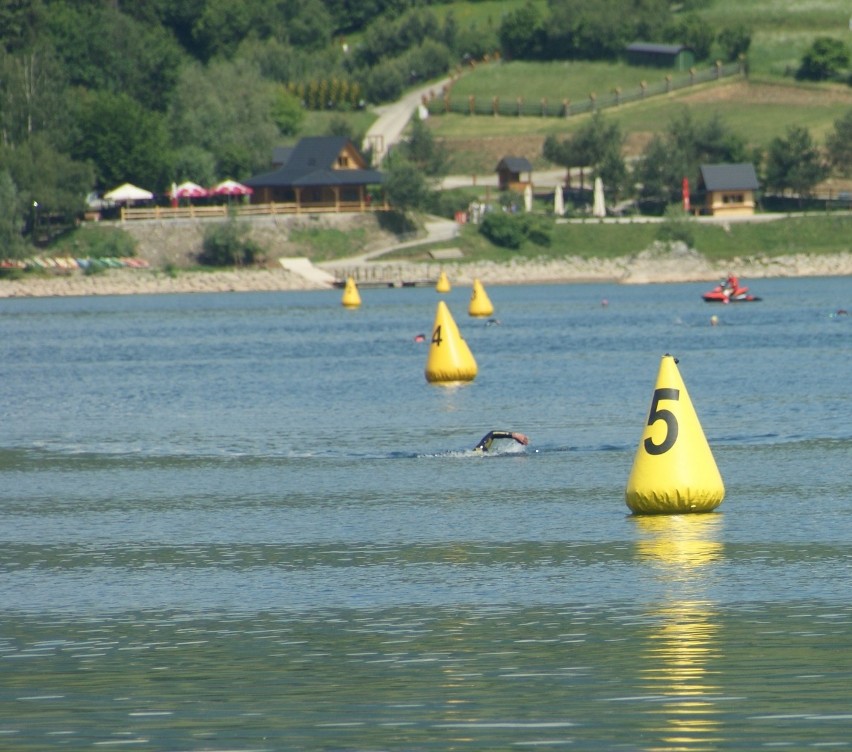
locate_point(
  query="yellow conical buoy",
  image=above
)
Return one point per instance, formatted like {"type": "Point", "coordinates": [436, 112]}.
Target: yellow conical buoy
{"type": "Point", "coordinates": [480, 303]}
{"type": "Point", "coordinates": [449, 357]}
{"type": "Point", "coordinates": [443, 284]}
{"type": "Point", "coordinates": [351, 297]}
{"type": "Point", "coordinates": [674, 471]}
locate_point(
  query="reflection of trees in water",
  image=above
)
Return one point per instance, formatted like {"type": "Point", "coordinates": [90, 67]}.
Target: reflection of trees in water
{"type": "Point", "coordinates": [678, 656]}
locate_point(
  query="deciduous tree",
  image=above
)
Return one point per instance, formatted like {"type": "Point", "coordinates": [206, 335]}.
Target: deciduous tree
{"type": "Point", "coordinates": [839, 145]}
{"type": "Point", "coordinates": [794, 162]}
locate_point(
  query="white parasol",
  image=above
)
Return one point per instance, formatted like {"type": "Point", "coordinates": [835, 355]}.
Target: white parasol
{"type": "Point", "coordinates": [128, 192]}
{"type": "Point", "coordinates": [599, 208]}
{"type": "Point", "coordinates": [558, 202]}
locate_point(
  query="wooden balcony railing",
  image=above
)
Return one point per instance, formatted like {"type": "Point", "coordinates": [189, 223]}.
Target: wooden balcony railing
{"type": "Point", "coordinates": [132, 213]}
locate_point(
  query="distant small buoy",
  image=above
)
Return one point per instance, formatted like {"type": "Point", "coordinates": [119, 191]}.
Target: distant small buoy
{"type": "Point", "coordinates": [673, 471]}
{"type": "Point", "coordinates": [443, 284]}
{"type": "Point", "coordinates": [714, 320]}
{"type": "Point", "coordinates": [604, 303]}
{"type": "Point", "coordinates": [450, 359]}
{"type": "Point", "coordinates": [351, 297]}
{"type": "Point", "coordinates": [480, 303]}
{"type": "Point", "coordinates": [419, 337]}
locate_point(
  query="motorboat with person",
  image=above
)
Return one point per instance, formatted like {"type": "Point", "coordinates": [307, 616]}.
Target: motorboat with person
{"type": "Point", "coordinates": [730, 291]}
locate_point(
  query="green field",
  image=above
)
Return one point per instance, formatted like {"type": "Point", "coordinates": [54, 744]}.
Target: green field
{"type": "Point", "coordinates": [760, 111]}
{"type": "Point", "coordinates": [815, 235]}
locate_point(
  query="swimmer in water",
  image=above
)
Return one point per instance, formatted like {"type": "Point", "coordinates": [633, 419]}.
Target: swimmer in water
{"type": "Point", "coordinates": [485, 442]}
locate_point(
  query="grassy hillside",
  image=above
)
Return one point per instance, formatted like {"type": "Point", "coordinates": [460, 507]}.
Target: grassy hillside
{"type": "Point", "coordinates": [760, 108]}
{"type": "Point", "coordinates": [782, 29]}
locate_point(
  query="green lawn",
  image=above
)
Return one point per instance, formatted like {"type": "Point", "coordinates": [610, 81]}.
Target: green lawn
{"type": "Point", "coordinates": [556, 81]}
{"type": "Point", "coordinates": [781, 29]}
{"type": "Point", "coordinates": [817, 234]}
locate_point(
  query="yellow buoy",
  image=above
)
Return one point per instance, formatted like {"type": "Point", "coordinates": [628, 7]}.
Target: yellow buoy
{"type": "Point", "coordinates": [450, 359]}
{"type": "Point", "coordinates": [443, 284]}
{"type": "Point", "coordinates": [351, 297]}
{"type": "Point", "coordinates": [480, 303]}
{"type": "Point", "coordinates": [673, 471]}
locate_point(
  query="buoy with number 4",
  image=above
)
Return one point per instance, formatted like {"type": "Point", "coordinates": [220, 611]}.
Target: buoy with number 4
{"type": "Point", "coordinates": [673, 471]}
{"type": "Point", "coordinates": [480, 303]}
{"type": "Point", "coordinates": [450, 359]}
{"type": "Point", "coordinates": [443, 283]}
{"type": "Point", "coordinates": [351, 297]}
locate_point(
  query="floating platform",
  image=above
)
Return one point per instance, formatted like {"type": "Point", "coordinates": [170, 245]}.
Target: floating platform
{"type": "Point", "coordinates": [365, 283]}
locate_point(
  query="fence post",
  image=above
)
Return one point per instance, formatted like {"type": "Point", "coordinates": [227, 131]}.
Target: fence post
{"type": "Point", "coordinates": [644, 86]}
{"type": "Point", "coordinates": [566, 107]}
{"type": "Point", "coordinates": [668, 83]}
{"type": "Point", "coordinates": [519, 103]}
{"type": "Point", "coordinates": [471, 100]}
{"type": "Point", "coordinates": [593, 99]}
{"type": "Point", "coordinates": [718, 69]}
{"type": "Point", "coordinates": [446, 103]}
{"type": "Point", "coordinates": [691, 76]}
{"type": "Point", "coordinates": [617, 92]}
{"type": "Point", "coordinates": [495, 106]}
{"type": "Point", "coordinates": [544, 106]}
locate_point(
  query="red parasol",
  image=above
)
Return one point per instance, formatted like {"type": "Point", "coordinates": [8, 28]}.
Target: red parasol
{"type": "Point", "coordinates": [231, 188]}
{"type": "Point", "coordinates": [189, 190]}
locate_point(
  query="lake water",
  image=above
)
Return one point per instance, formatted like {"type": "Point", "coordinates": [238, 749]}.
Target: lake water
{"type": "Point", "coordinates": [246, 522]}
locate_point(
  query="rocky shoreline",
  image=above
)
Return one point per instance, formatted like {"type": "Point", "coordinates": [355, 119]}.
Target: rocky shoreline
{"type": "Point", "coordinates": [655, 265]}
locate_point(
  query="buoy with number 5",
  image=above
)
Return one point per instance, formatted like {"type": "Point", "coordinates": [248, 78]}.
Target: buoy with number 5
{"type": "Point", "coordinates": [351, 297]}
{"type": "Point", "coordinates": [449, 359]}
{"type": "Point", "coordinates": [673, 471]}
{"type": "Point", "coordinates": [480, 303]}
{"type": "Point", "coordinates": [443, 283]}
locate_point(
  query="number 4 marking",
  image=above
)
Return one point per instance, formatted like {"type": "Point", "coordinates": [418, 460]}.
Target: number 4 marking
{"type": "Point", "coordinates": [667, 416]}
{"type": "Point", "coordinates": [436, 335]}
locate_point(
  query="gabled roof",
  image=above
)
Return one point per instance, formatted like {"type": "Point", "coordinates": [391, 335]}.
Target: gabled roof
{"type": "Point", "coordinates": [726, 177]}
{"type": "Point", "coordinates": [514, 164]}
{"type": "Point", "coordinates": [311, 163]}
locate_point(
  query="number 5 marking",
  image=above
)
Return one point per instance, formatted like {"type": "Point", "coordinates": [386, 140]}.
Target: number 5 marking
{"type": "Point", "coordinates": [665, 415]}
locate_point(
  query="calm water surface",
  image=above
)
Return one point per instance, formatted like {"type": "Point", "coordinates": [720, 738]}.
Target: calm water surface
{"type": "Point", "coordinates": [246, 522]}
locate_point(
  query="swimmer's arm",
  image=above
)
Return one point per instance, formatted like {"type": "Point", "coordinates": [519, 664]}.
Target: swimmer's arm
{"type": "Point", "coordinates": [485, 442]}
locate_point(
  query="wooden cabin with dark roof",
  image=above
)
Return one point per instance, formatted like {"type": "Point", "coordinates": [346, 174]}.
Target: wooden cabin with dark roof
{"type": "Point", "coordinates": [510, 172]}
{"type": "Point", "coordinates": [729, 189]}
{"type": "Point", "coordinates": [319, 174]}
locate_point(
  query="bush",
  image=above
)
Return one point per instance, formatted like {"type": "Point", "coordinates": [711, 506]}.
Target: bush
{"type": "Point", "coordinates": [677, 227]}
{"type": "Point", "coordinates": [505, 230]}
{"type": "Point", "coordinates": [538, 229]}
{"type": "Point", "coordinates": [228, 244]}
{"type": "Point", "coordinates": [96, 242]}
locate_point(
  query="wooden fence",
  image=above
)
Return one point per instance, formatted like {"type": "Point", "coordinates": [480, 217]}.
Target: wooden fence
{"type": "Point", "coordinates": [223, 211]}
{"type": "Point", "coordinates": [558, 107]}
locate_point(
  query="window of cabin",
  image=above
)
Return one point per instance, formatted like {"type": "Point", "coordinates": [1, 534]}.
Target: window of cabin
{"type": "Point", "coordinates": [343, 161]}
